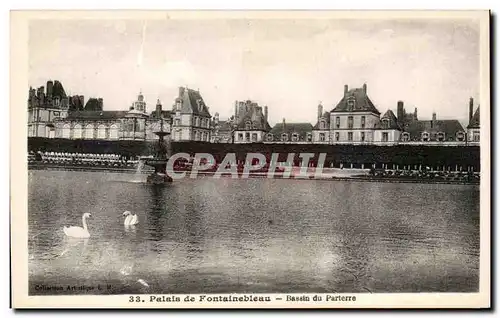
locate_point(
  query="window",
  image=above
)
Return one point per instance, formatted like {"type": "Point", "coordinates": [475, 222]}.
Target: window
{"type": "Point", "coordinates": [240, 136]}
{"type": "Point", "coordinates": [284, 137]}
{"type": "Point", "coordinates": [77, 131]}
{"type": "Point", "coordinates": [197, 135]}
{"type": "Point", "coordinates": [65, 131]}
{"type": "Point", "coordinates": [178, 106]}
{"type": "Point", "coordinates": [177, 122]}
{"type": "Point", "coordinates": [460, 136]}
{"type": "Point", "coordinates": [362, 136]}
{"type": "Point", "coordinates": [322, 125]}
{"type": "Point", "coordinates": [198, 122]}
{"type": "Point", "coordinates": [351, 103]}
{"type": "Point", "coordinates": [440, 136]}
{"type": "Point", "coordinates": [385, 123]}
{"type": "Point", "coordinates": [295, 137]}
{"type": "Point", "coordinates": [322, 137]}
{"type": "Point", "coordinates": [425, 136]}
{"type": "Point", "coordinates": [363, 121]}
{"type": "Point", "coordinates": [269, 137]}
{"type": "Point", "coordinates": [113, 132]}
{"type": "Point", "coordinates": [101, 132]}
{"type": "Point", "coordinates": [337, 136]}
{"type": "Point", "coordinates": [247, 136]}
{"type": "Point", "coordinates": [248, 125]}
{"type": "Point", "coordinates": [337, 122]}
{"type": "Point", "coordinates": [476, 135]}
{"type": "Point", "coordinates": [309, 137]}
{"type": "Point", "coordinates": [350, 122]}
{"type": "Point", "coordinates": [385, 137]}
{"type": "Point", "coordinates": [254, 137]}
{"type": "Point", "coordinates": [406, 136]}
{"type": "Point", "coordinates": [89, 131]}
{"type": "Point", "coordinates": [349, 136]}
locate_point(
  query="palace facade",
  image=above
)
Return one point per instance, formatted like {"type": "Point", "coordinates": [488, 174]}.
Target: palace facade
{"type": "Point", "coordinates": [355, 119]}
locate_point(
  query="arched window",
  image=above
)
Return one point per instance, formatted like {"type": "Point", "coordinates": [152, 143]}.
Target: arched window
{"type": "Point", "coordinates": [269, 137]}
{"type": "Point", "coordinates": [460, 136]}
{"type": "Point", "coordinates": [440, 136]}
{"type": "Point", "coordinates": [425, 136]}
{"type": "Point", "coordinates": [322, 125]}
{"type": "Point", "coordinates": [295, 137]}
{"type": "Point", "coordinates": [284, 137]}
{"type": "Point", "coordinates": [197, 135]}
{"type": "Point", "coordinates": [248, 125]}
{"type": "Point", "coordinates": [113, 131]}
{"type": "Point", "coordinates": [309, 137]}
{"type": "Point", "coordinates": [66, 131]}
{"type": "Point", "coordinates": [89, 131]}
{"type": "Point", "coordinates": [197, 121]}
{"type": "Point", "coordinates": [77, 131]}
{"type": "Point", "coordinates": [385, 123]}
{"type": "Point", "coordinates": [101, 132]}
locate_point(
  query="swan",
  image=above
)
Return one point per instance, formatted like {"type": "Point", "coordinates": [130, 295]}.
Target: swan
{"type": "Point", "coordinates": [76, 231]}
{"type": "Point", "coordinates": [130, 219]}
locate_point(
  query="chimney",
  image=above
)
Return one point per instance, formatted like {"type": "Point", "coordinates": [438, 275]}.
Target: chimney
{"type": "Point", "coordinates": [320, 110]}
{"type": "Point", "coordinates": [364, 88]}
{"type": "Point", "coordinates": [181, 91]}
{"type": "Point", "coordinates": [236, 109]}
{"type": "Point", "coordinates": [400, 111]}
{"type": "Point", "coordinates": [50, 88]}
{"type": "Point", "coordinates": [216, 118]}
{"type": "Point", "coordinates": [265, 112]}
{"type": "Point", "coordinates": [434, 116]}
{"type": "Point", "coordinates": [158, 108]}
{"type": "Point", "coordinates": [415, 114]}
{"type": "Point", "coordinates": [346, 88]}
{"type": "Point", "coordinates": [471, 108]}
{"type": "Point", "coordinates": [284, 125]}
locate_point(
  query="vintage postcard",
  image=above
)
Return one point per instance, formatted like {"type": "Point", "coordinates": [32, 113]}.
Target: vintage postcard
{"type": "Point", "coordinates": [250, 159]}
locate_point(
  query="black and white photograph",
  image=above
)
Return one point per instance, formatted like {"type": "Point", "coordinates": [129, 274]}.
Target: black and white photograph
{"type": "Point", "coordinates": [276, 159]}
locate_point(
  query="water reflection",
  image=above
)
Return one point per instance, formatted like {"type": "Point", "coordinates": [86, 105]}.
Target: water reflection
{"type": "Point", "coordinates": [254, 235]}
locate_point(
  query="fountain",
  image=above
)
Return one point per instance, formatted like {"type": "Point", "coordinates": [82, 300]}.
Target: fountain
{"type": "Point", "coordinates": [159, 160]}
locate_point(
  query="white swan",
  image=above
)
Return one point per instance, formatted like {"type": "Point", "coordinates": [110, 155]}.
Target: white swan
{"type": "Point", "coordinates": [130, 219]}
{"type": "Point", "coordinates": [76, 231]}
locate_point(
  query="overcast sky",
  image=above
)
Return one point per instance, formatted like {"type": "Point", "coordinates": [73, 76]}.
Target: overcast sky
{"type": "Point", "coordinates": [289, 65]}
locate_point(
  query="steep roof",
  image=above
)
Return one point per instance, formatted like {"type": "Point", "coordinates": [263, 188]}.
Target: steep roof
{"type": "Point", "coordinates": [474, 122]}
{"type": "Point", "coordinates": [448, 127]}
{"type": "Point", "coordinates": [96, 115]}
{"type": "Point", "coordinates": [164, 114]}
{"type": "Point", "coordinates": [225, 125]}
{"type": "Point", "coordinates": [58, 89]}
{"type": "Point", "coordinates": [362, 102]}
{"type": "Point", "coordinates": [289, 128]}
{"type": "Point", "coordinates": [192, 102]}
{"type": "Point", "coordinates": [258, 122]}
{"type": "Point", "coordinates": [392, 121]}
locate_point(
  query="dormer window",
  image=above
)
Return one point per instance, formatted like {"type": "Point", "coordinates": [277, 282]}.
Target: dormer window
{"type": "Point", "coordinates": [56, 101]}
{"type": "Point", "coordinates": [178, 106]}
{"type": "Point", "coordinates": [284, 137]}
{"type": "Point", "coordinates": [322, 125]}
{"type": "Point", "coordinates": [405, 136]}
{"type": "Point", "coordinates": [269, 137]}
{"type": "Point", "coordinates": [295, 137]}
{"type": "Point", "coordinates": [385, 123]}
{"type": "Point", "coordinates": [248, 125]}
{"type": "Point", "coordinates": [351, 103]}
{"type": "Point", "coordinates": [309, 137]}
{"type": "Point", "coordinates": [425, 136]}
{"type": "Point", "coordinates": [440, 136]}
{"type": "Point", "coordinates": [460, 136]}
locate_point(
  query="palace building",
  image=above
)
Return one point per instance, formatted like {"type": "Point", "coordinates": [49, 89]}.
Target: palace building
{"type": "Point", "coordinates": [355, 119]}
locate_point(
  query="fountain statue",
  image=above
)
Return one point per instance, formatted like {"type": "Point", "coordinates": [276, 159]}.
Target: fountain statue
{"type": "Point", "coordinates": [159, 160]}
